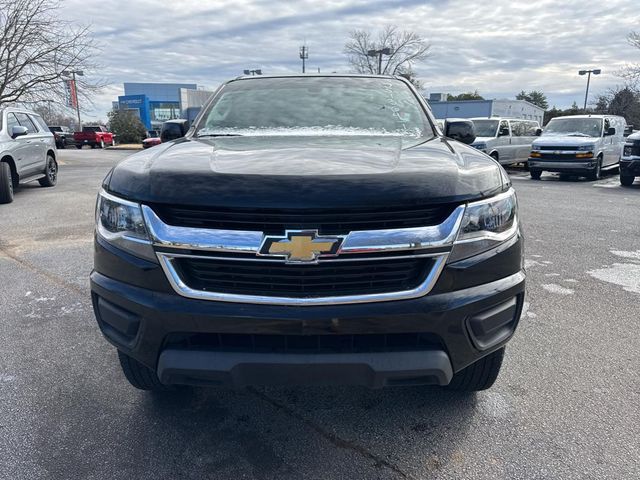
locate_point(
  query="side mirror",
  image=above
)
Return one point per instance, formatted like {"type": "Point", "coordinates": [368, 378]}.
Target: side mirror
{"type": "Point", "coordinates": [173, 130]}
{"type": "Point", "coordinates": [628, 130]}
{"type": "Point", "coordinates": [460, 130]}
{"type": "Point", "coordinates": [611, 131]}
{"type": "Point", "coordinates": [18, 131]}
{"type": "Point", "coordinates": [538, 132]}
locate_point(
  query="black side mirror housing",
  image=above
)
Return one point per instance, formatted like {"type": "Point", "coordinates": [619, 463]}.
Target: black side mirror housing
{"type": "Point", "coordinates": [628, 130]}
{"type": "Point", "coordinates": [611, 131]}
{"type": "Point", "coordinates": [174, 129]}
{"type": "Point", "coordinates": [18, 131]}
{"type": "Point", "coordinates": [538, 132]}
{"type": "Point", "coordinates": [460, 130]}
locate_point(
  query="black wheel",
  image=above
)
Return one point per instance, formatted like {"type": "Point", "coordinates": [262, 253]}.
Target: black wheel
{"type": "Point", "coordinates": [102, 143]}
{"type": "Point", "coordinates": [6, 183]}
{"type": "Point", "coordinates": [138, 375]}
{"type": "Point", "coordinates": [51, 173]}
{"type": "Point", "coordinates": [535, 174]}
{"type": "Point", "coordinates": [93, 145]}
{"type": "Point", "coordinates": [495, 156]}
{"type": "Point", "coordinates": [596, 174]}
{"type": "Point", "coordinates": [79, 147]}
{"type": "Point", "coordinates": [479, 375]}
{"type": "Point", "coordinates": [626, 180]}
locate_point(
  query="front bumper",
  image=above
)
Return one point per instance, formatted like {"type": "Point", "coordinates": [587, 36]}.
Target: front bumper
{"type": "Point", "coordinates": [473, 309]}
{"type": "Point", "coordinates": [630, 166]}
{"type": "Point", "coordinates": [574, 166]}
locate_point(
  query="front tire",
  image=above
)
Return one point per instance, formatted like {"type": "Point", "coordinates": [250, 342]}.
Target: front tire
{"type": "Point", "coordinates": [479, 375]}
{"type": "Point", "coordinates": [535, 174]}
{"type": "Point", "coordinates": [51, 173]}
{"type": "Point", "coordinates": [626, 180]}
{"type": "Point", "coordinates": [6, 183]}
{"type": "Point", "coordinates": [102, 144]}
{"type": "Point", "coordinates": [596, 174]}
{"type": "Point", "coordinates": [138, 375]}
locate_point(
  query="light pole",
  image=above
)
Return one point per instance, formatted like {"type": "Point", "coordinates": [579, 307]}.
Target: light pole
{"type": "Point", "coordinates": [73, 74]}
{"type": "Point", "coordinates": [379, 53]}
{"type": "Point", "coordinates": [597, 71]}
{"type": "Point", "coordinates": [257, 71]}
{"type": "Point", "coordinates": [304, 54]}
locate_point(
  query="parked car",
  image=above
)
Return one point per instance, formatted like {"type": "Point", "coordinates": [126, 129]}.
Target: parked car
{"type": "Point", "coordinates": [63, 136]}
{"type": "Point", "coordinates": [578, 145]}
{"type": "Point", "coordinates": [174, 129]}
{"type": "Point", "coordinates": [630, 161]}
{"type": "Point", "coordinates": [96, 136]}
{"type": "Point", "coordinates": [508, 140]}
{"type": "Point", "coordinates": [316, 229]}
{"type": "Point", "coordinates": [27, 151]}
{"type": "Point", "coordinates": [153, 139]}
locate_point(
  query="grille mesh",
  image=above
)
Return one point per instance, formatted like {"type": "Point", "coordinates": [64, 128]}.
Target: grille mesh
{"type": "Point", "coordinates": [303, 281]}
{"type": "Point", "coordinates": [276, 221]}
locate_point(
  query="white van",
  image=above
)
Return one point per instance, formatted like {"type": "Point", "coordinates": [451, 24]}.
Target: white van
{"type": "Point", "coordinates": [578, 145]}
{"type": "Point", "coordinates": [508, 140]}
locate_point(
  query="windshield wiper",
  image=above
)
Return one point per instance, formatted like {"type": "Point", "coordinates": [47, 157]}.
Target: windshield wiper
{"type": "Point", "coordinates": [219, 135]}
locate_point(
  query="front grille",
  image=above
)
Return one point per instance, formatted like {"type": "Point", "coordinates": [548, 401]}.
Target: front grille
{"type": "Point", "coordinates": [561, 157]}
{"type": "Point", "coordinates": [303, 281]}
{"type": "Point", "coordinates": [559, 148]}
{"type": "Point", "coordinates": [330, 343]}
{"type": "Point", "coordinates": [276, 221]}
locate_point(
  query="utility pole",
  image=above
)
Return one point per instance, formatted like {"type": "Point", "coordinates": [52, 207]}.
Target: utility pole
{"type": "Point", "coordinates": [304, 54]}
{"type": "Point", "coordinates": [379, 53]}
{"type": "Point", "coordinates": [74, 91]}
{"type": "Point", "coordinates": [597, 71]}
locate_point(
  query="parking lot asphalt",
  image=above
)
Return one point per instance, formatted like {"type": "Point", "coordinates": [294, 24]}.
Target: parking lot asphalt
{"type": "Point", "coordinates": [566, 404]}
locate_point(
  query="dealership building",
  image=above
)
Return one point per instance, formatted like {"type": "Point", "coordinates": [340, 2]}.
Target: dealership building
{"type": "Point", "coordinates": [156, 103]}
{"type": "Point", "coordinates": [442, 108]}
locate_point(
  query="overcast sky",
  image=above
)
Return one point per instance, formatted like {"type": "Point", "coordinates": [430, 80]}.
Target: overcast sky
{"type": "Point", "coordinates": [498, 49]}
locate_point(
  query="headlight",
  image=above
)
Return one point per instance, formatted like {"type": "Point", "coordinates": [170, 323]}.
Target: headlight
{"type": "Point", "coordinates": [485, 225]}
{"type": "Point", "coordinates": [121, 223]}
{"type": "Point", "coordinates": [480, 146]}
{"type": "Point", "coordinates": [586, 148]}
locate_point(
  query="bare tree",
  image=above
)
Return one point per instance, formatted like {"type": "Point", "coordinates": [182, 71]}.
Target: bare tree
{"type": "Point", "coordinates": [36, 47]}
{"type": "Point", "coordinates": [406, 48]}
{"type": "Point", "coordinates": [632, 71]}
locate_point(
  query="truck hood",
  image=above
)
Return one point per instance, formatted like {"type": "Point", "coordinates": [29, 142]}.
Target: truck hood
{"type": "Point", "coordinates": [564, 141]}
{"type": "Point", "coordinates": [306, 172]}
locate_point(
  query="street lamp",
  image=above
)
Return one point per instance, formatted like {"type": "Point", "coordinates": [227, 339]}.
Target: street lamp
{"type": "Point", "coordinates": [257, 71]}
{"type": "Point", "coordinates": [379, 53]}
{"type": "Point", "coordinates": [304, 54]}
{"type": "Point", "coordinates": [597, 71]}
{"type": "Point", "coordinates": [72, 74]}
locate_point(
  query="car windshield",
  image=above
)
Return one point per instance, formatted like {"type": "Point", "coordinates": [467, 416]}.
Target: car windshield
{"type": "Point", "coordinates": [574, 127]}
{"type": "Point", "coordinates": [317, 106]}
{"type": "Point", "coordinates": [486, 128]}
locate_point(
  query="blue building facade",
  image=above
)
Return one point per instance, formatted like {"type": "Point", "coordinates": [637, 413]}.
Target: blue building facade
{"type": "Point", "coordinates": [154, 103]}
{"type": "Point", "coordinates": [486, 108]}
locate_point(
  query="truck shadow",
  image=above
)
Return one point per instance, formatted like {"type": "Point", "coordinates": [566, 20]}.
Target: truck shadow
{"type": "Point", "coordinates": [272, 432]}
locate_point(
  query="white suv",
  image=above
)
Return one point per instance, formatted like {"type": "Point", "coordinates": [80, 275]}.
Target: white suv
{"type": "Point", "coordinates": [27, 151]}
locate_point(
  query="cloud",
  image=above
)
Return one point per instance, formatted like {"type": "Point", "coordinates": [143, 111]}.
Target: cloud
{"type": "Point", "coordinates": [498, 48]}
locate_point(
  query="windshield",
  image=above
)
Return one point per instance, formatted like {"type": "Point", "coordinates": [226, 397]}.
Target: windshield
{"type": "Point", "coordinates": [574, 127]}
{"type": "Point", "coordinates": [317, 106]}
{"type": "Point", "coordinates": [486, 128]}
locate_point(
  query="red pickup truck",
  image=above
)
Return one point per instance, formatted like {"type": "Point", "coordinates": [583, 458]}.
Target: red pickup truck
{"type": "Point", "coordinates": [96, 136]}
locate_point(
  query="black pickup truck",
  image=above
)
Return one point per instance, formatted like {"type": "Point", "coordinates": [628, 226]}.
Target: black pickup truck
{"type": "Point", "coordinates": [310, 230]}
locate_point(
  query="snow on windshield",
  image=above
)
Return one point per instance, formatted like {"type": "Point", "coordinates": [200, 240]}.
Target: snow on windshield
{"type": "Point", "coordinates": [316, 106]}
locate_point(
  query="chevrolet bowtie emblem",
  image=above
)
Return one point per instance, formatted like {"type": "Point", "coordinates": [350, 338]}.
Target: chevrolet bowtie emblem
{"type": "Point", "coordinates": [303, 246]}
